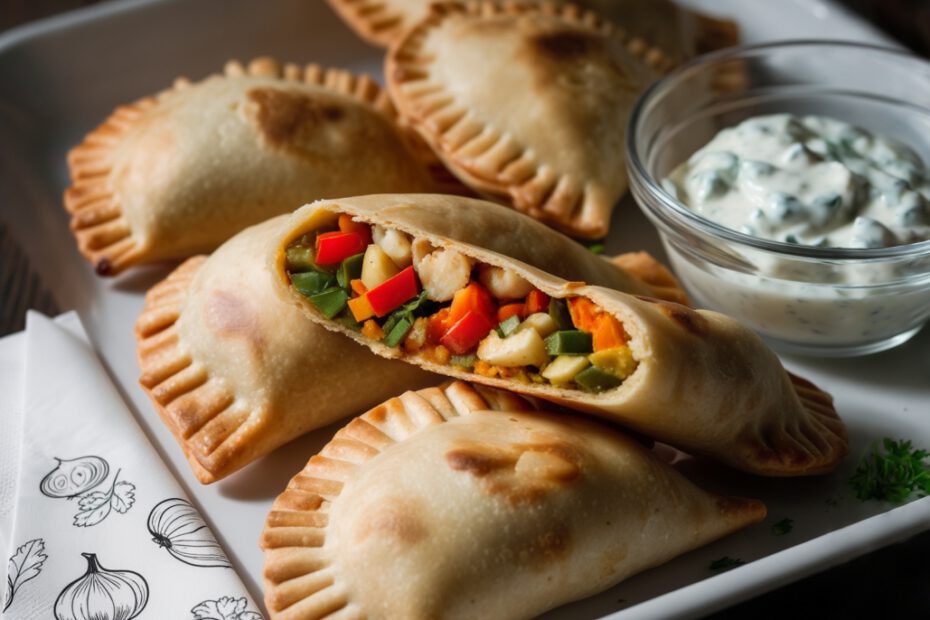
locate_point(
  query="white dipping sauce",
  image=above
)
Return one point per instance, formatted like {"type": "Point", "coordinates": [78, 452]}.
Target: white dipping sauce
{"type": "Point", "coordinates": [811, 180]}
{"type": "Point", "coordinates": [819, 182]}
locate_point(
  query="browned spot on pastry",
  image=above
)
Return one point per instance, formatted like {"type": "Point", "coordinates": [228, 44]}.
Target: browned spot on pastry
{"type": "Point", "coordinates": [393, 518]}
{"type": "Point", "coordinates": [567, 45]}
{"type": "Point", "coordinates": [685, 317]}
{"type": "Point", "coordinates": [479, 461]}
{"type": "Point", "coordinates": [518, 473]}
{"type": "Point", "coordinates": [229, 315]}
{"type": "Point", "coordinates": [286, 117]}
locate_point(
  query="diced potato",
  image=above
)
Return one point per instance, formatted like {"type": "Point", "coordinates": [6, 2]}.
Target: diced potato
{"type": "Point", "coordinates": [564, 368]}
{"type": "Point", "coordinates": [377, 267]}
{"type": "Point", "coordinates": [618, 361]}
{"type": "Point", "coordinates": [523, 349]}
{"type": "Point", "coordinates": [395, 244]}
{"type": "Point", "coordinates": [541, 322]}
{"type": "Point", "coordinates": [503, 283]}
{"type": "Point", "coordinates": [442, 271]}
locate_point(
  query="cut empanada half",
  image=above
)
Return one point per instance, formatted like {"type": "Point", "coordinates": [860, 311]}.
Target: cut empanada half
{"type": "Point", "coordinates": [526, 103]}
{"type": "Point", "coordinates": [235, 371]}
{"type": "Point", "coordinates": [444, 503]}
{"type": "Point", "coordinates": [394, 274]}
{"type": "Point", "coordinates": [678, 32]}
{"type": "Point", "coordinates": [178, 173]}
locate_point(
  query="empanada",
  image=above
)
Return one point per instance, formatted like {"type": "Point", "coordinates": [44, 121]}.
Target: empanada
{"type": "Point", "coordinates": [403, 277]}
{"type": "Point", "coordinates": [235, 369]}
{"type": "Point", "coordinates": [178, 173]}
{"type": "Point", "coordinates": [678, 32]}
{"type": "Point", "coordinates": [525, 103]}
{"type": "Point", "coordinates": [457, 502]}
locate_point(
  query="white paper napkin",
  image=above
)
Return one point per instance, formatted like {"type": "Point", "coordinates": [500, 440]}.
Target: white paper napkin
{"type": "Point", "coordinates": [100, 528]}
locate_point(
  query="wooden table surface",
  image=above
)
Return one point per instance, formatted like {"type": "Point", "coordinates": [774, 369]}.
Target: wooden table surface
{"type": "Point", "coordinates": [893, 582]}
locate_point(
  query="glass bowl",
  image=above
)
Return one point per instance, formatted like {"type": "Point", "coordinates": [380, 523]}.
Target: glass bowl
{"type": "Point", "coordinates": [814, 301]}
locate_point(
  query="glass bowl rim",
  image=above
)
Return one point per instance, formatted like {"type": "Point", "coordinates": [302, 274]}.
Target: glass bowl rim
{"type": "Point", "coordinates": [676, 210]}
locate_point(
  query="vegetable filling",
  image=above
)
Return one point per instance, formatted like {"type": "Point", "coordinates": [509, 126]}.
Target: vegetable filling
{"type": "Point", "coordinates": [451, 309]}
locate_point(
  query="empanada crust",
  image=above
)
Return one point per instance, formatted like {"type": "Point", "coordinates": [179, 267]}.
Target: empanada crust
{"type": "Point", "coordinates": [235, 371]}
{"type": "Point", "coordinates": [704, 383]}
{"type": "Point", "coordinates": [662, 24]}
{"type": "Point", "coordinates": [445, 502]}
{"type": "Point", "coordinates": [178, 173]}
{"type": "Point", "coordinates": [543, 126]}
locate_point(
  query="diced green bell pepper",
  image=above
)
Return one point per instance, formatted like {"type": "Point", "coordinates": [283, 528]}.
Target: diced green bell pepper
{"type": "Point", "coordinates": [330, 301]}
{"type": "Point", "coordinates": [558, 312]}
{"type": "Point", "coordinates": [310, 283]}
{"type": "Point", "coordinates": [508, 326]}
{"type": "Point", "coordinates": [569, 342]}
{"type": "Point", "coordinates": [594, 379]}
{"type": "Point", "coordinates": [300, 258]}
{"type": "Point", "coordinates": [349, 269]}
{"type": "Point", "coordinates": [463, 361]}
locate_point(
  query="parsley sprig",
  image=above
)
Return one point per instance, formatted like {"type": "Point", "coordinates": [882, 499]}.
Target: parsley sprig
{"type": "Point", "coordinates": [893, 475]}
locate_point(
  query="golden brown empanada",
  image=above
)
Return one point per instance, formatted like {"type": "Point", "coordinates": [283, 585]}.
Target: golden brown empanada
{"type": "Point", "coordinates": [542, 124]}
{"type": "Point", "coordinates": [234, 371]}
{"type": "Point", "coordinates": [178, 173]}
{"type": "Point", "coordinates": [678, 32]}
{"type": "Point", "coordinates": [464, 305]}
{"type": "Point", "coordinates": [462, 502]}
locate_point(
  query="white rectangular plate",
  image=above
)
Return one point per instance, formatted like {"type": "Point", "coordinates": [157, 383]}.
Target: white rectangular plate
{"type": "Point", "coordinates": [59, 78]}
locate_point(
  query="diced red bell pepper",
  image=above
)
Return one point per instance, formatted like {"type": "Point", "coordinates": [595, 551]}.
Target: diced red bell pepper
{"type": "Point", "coordinates": [467, 332]}
{"type": "Point", "coordinates": [393, 292]}
{"type": "Point", "coordinates": [347, 224]}
{"type": "Point", "coordinates": [473, 297]}
{"type": "Point", "coordinates": [334, 247]}
{"type": "Point", "coordinates": [536, 301]}
{"type": "Point", "coordinates": [505, 312]}
{"type": "Point", "coordinates": [438, 325]}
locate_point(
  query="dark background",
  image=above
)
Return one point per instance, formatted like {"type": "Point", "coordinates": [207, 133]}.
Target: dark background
{"type": "Point", "coordinates": [893, 582]}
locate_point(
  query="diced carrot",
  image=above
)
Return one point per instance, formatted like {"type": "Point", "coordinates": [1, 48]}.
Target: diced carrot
{"type": "Point", "coordinates": [505, 312]}
{"type": "Point", "coordinates": [584, 313]}
{"type": "Point", "coordinates": [536, 301]}
{"type": "Point", "coordinates": [473, 297]}
{"type": "Point", "coordinates": [372, 330]}
{"type": "Point", "coordinates": [358, 287]}
{"type": "Point", "coordinates": [347, 224]}
{"type": "Point", "coordinates": [608, 334]}
{"type": "Point", "coordinates": [361, 308]}
{"type": "Point", "coordinates": [438, 325]}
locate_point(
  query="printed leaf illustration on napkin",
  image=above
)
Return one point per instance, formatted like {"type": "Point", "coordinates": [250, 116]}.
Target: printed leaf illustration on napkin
{"type": "Point", "coordinates": [225, 608]}
{"type": "Point", "coordinates": [24, 565]}
{"type": "Point", "coordinates": [94, 507]}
